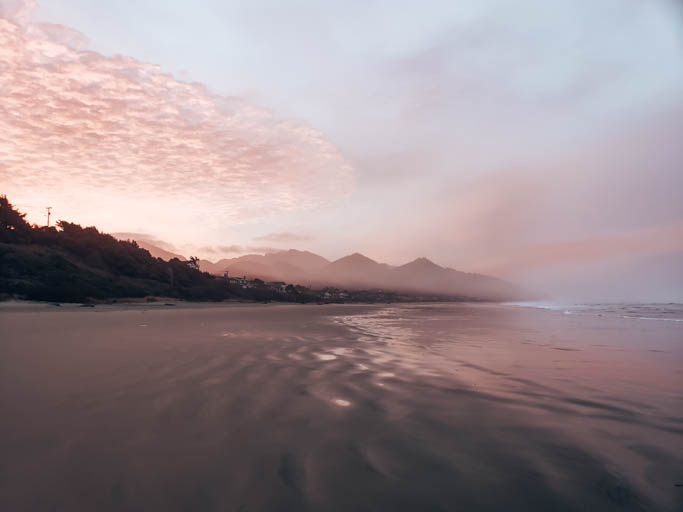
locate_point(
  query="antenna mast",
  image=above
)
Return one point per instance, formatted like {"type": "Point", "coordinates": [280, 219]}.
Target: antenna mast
{"type": "Point", "coordinates": [48, 208]}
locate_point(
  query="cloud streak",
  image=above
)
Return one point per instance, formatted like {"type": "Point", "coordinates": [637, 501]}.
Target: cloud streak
{"type": "Point", "coordinates": [223, 250]}
{"type": "Point", "coordinates": [283, 238]}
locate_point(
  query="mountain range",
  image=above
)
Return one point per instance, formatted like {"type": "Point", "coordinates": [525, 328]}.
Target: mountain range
{"type": "Point", "coordinates": [357, 271]}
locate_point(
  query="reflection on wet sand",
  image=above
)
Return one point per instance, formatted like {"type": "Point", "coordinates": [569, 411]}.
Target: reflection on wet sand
{"type": "Point", "coordinates": [411, 407]}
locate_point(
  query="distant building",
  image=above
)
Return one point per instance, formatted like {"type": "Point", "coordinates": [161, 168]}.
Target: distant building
{"type": "Point", "coordinates": [240, 281]}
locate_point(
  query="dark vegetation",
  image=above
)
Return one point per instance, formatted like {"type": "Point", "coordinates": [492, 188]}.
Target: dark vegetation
{"type": "Point", "coordinates": [69, 263]}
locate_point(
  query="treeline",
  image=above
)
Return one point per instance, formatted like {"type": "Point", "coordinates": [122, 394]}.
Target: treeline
{"type": "Point", "coordinates": [70, 263]}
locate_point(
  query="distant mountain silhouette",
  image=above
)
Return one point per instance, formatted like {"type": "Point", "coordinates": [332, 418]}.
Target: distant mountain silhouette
{"type": "Point", "coordinates": [424, 275]}
{"type": "Point", "coordinates": [354, 271]}
{"type": "Point", "coordinates": [158, 252]}
{"type": "Point", "coordinates": [289, 266]}
{"type": "Point", "coordinates": [420, 265]}
{"type": "Point", "coordinates": [301, 259]}
{"type": "Point", "coordinates": [357, 271]}
{"type": "Point", "coordinates": [146, 244]}
{"type": "Point", "coordinates": [354, 264]}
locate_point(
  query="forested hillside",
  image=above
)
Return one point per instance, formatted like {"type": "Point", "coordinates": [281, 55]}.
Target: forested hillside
{"type": "Point", "coordinates": [71, 263]}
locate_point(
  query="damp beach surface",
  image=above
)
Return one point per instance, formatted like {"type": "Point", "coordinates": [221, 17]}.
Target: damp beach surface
{"type": "Point", "coordinates": [337, 407]}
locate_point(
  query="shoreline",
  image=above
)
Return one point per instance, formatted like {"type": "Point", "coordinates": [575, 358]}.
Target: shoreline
{"type": "Point", "coordinates": [601, 312]}
{"type": "Point", "coordinates": [14, 305]}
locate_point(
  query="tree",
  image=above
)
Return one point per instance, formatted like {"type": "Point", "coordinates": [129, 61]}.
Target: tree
{"type": "Point", "coordinates": [13, 225]}
{"type": "Point", "coordinates": [193, 262]}
{"type": "Point", "coordinates": [68, 262]}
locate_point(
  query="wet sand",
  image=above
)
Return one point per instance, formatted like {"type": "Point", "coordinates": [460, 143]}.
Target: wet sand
{"type": "Point", "coordinates": [339, 407]}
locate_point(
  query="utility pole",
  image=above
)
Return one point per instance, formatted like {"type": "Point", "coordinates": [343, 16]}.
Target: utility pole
{"type": "Point", "coordinates": [48, 208]}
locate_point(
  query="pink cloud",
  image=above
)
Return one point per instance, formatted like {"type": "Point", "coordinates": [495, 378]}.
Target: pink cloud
{"type": "Point", "coordinates": [112, 140]}
{"type": "Point", "coordinates": [283, 237]}
{"type": "Point", "coordinates": [18, 11]}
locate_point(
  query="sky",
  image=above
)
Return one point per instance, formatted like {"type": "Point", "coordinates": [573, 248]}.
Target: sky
{"type": "Point", "coordinates": [536, 141]}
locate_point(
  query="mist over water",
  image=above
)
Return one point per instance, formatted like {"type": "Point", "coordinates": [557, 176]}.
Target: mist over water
{"type": "Point", "coordinates": [669, 312]}
{"type": "Point", "coordinates": [615, 279]}
{"type": "Point", "coordinates": [407, 407]}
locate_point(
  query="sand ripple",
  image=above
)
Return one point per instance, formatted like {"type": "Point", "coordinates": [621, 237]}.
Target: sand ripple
{"type": "Point", "coordinates": [416, 407]}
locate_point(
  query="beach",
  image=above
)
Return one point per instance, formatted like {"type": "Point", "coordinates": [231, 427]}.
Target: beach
{"type": "Point", "coordinates": [255, 407]}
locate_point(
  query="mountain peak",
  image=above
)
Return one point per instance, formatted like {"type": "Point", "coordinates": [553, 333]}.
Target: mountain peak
{"type": "Point", "coordinates": [422, 263]}
{"type": "Point", "coordinates": [356, 257]}
{"type": "Point", "coordinates": [423, 260]}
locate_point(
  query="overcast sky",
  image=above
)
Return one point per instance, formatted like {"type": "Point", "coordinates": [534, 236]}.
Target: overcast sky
{"type": "Point", "coordinates": [534, 140]}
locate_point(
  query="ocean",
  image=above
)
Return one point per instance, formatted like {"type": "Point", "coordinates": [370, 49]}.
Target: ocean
{"type": "Point", "coordinates": [670, 311]}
